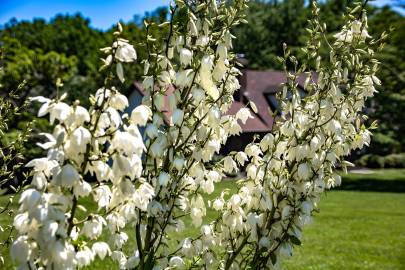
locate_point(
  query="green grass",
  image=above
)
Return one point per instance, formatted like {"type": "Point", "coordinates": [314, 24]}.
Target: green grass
{"type": "Point", "coordinates": [354, 230]}
{"type": "Point", "coordinates": [360, 226]}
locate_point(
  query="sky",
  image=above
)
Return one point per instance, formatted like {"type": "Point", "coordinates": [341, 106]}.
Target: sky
{"type": "Point", "coordinates": [102, 13]}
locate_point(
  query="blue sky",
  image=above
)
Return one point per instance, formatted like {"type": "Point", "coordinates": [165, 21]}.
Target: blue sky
{"type": "Point", "coordinates": [102, 13]}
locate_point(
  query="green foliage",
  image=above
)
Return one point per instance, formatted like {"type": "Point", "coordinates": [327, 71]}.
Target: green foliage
{"type": "Point", "coordinates": [389, 104]}
{"type": "Point", "coordinates": [37, 68]}
{"type": "Point", "coordinates": [388, 161]}
{"type": "Point", "coordinates": [271, 24]}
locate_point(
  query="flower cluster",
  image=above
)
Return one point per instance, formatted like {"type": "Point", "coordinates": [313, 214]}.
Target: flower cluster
{"type": "Point", "coordinates": [148, 181]}
{"type": "Point", "coordinates": [288, 169]}
{"type": "Point", "coordinates": [98, 143]}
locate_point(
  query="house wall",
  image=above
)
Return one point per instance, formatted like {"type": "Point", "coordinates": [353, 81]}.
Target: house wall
{"type": "Point", "coordinates": [134, 100]}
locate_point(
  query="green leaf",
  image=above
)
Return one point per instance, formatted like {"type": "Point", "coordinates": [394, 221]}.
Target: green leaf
{"type": "Point", "coordinates": [295, 240]}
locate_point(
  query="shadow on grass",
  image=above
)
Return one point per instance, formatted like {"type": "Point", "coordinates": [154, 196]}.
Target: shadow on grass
{"type": "Point", "coordinates": [372, 184]}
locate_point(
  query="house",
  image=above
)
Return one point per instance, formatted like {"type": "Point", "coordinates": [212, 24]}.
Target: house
{"type": "Point", "coordinates": [259, 87]}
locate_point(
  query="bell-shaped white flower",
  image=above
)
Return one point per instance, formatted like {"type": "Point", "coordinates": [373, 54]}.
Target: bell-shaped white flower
{"type": "Point", "coordinates": [29, 199]}
{"type": "Point", "coordinates": [164, 178]}
{"type": "Point", "coordinates": [102, 196]}
{"type": "Point", "coordinates": [84, 257]}
{"type": "Point", "coordinates": [67, 176]}
{"type": "Point", "coordinates": [59, 111]}
{"type": "Point", "coordinates": [81, 115]}
{"type": "Point", "coordinates": [119, 102]}
{"type": "Point", "coordinates": [21, 250]}
{"type": "Point", "coordinates": [177, 117]}
{"type": "Point", "coordinates": [101, 249]}
{"type": "Point", "coordinates": [125, 52]}
{"type": "Point", "coordinates": [185, 57]}
{"type": "Point", "coordinates": [304, 171]}
{"type": "Point", "coordinates": [140, 115]}
{"type": "Point", "coordinates": [81, 189]}
{"type": "Point", "coordinates": [176, 262]}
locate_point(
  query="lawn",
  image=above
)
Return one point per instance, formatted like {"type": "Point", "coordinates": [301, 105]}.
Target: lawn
{"type": "Point", "coordinates": [359, 226]}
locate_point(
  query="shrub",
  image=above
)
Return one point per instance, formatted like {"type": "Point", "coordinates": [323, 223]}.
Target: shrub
{"type": "Point", "coordinates": [148, 183]}
{"type": "Point", "coordinates": [394, 161]}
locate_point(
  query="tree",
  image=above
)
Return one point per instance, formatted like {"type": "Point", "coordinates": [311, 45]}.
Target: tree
{"type": "Point", "coordinates": [272, 24]}
{"type": "Point", "coordinates": [389, 104]}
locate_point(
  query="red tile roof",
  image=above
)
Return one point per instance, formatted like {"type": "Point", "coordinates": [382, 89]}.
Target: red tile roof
{"type": "Point", "coordinates": [255, 85]}
{"type": "Point", "coordinates": [254, 124]}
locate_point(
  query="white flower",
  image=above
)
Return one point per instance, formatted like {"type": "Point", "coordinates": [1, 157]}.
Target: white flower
{"type": "Point", "coordinates": [304, 171]}
{"type": "Point", "coordinates": [251, 171]}
{"type": "Point", "coordinates": [185, 57]}
{"type": "Point", "coordinates": [21, 250]}
{"type": "Point", "coordinates": [177, 117]}
{"type": "Point", "coordinates": [59, 111]}
{"type": "Point", "coordinates": [124, 52]}
{"type": "Point", "coordinates": [222, 51]}
{"type": "Point", "coordinates": [21, 222]}
{"type": "Point", "coordinates": [235, 201]}
{"type": "Point", "coordinates": [140, 115]}
{"type": "Point", "coordinates": [159, 101]}
{"type": "Point", "coordinates": [81, 115]}
{"type": "Point", "coordinates": [164, 178]}
{"type": "Point", "coordinates": [344, 36]}
{"type": "Point", "coordinates": [45, 106]}
{"type": "Point", "coordinates": [119, 257]}
{"type": "Point", "coordinates": [152, 131]}
{"type": "Point", "coordinates": [119, 102]}
{"type": "Point", "coordinates": [207, 186]}
{"type": "Point", "coordinates": [230, 165]}
{"type": "Point", "coordinates": [148, 83]}
{"type": "Point", "coordinates": [315, 143]}
{"type": "Point", "coordinates": [165, 78]}
{"type": "Point", "coordinates": [214, 176]}
{"type": "Point", "coordinates": [184, 78]}
{"type": "Point", "coordinates": [94, 227]}
{"type": "Point", "coordinates": [178, 163]}
{"type": "Point", "coordinates": [51, 141]}
{"type": "Point", "coordinates": [218, 204]}
{"type": "Point", "coordinates": [333, 127]}
{"type": "Point", "coordinates": [102, 196]}
{"type": "Point", "coordinates": [192, 28]}
{"type": "Point", "coordinates": [198, 94]}
{"type": "Point", "coordinates": [119, 239]}
{"type": "Point", "coordinates": [176, 262]}
{"type": "Point", "coordinates": [120, 72]}
{"type": "Point", "coordinates": [267, 142]}
{"type": "Point", "coordinates": [243, 115]}
{"type": "Point", "coordinates": [127, 143]}
{"type": "Point", "coordinates": [158, 147]}
{"type": "Point", "coordinates": [67, 176]}
{"type": "Point", "coordinates": [187, 247]}
{"type": "Point", "coordinates": [81, 189]}
{"type": "Point", "coordinates": [101, 249]}
{"type": "Point", "coordinates": [84, 257]}
{"type": "Point", "coordinates": [241, 157]}
{"type": "Point", "coordinates": [29, 199]}
{"type": "Point", "coordinates": [252, 150]}
{"type": "Point", "coordinates": [50, 229]}
{"type": "Point", "coordinates": [80, 138]}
